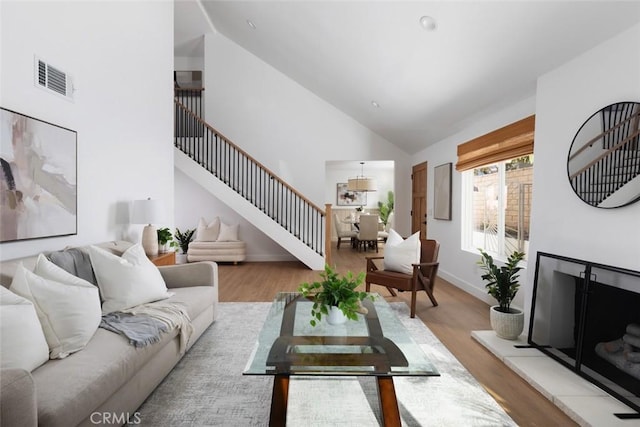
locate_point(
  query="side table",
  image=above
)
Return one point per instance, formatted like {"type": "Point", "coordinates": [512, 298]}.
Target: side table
{"type": "Point", "coordinates": [167, 258]}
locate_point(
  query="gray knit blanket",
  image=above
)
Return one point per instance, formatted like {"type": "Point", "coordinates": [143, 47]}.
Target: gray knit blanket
{"type": "Point", "coordinates": [142, 325]}
{"type": "Point", "coordinates": [141, 330]}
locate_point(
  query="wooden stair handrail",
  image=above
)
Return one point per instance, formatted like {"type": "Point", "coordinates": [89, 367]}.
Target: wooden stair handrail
{"type": "Point", "coordinates": [594, 139]}
{"type": "Point", "coordinates": [244, 153]}
{"type": "Point", "coordinates": [194, 89]}
{"type": "Point", "coordinates": [606, 153]}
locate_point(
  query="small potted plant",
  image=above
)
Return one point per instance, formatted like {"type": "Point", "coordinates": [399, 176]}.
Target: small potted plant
{"type": "Point", "coordinates": [335, 297]}
{"type": "Point", "coordinates": [165, 240]}
{"type": "Point", "coordinates": [183, 238]}
{"type": "Point", "coordinates": [502, 284]}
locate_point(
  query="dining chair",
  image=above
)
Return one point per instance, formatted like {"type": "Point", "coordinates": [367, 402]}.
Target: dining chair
{"type": "Point", "coordinates": [341, 232]}
{"type": "Point", "coordinates": [368, 232]}
{"type": "Point", "coordinates": [423, 277]}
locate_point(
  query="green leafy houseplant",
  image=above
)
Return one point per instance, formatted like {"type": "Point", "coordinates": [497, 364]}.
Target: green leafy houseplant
{"type": "Point", "coordinates": [386, 208]}
{"type": "Point", "coordinates": [184, 238]}
{"type": "Point", "coordinates": [502, 281]}
{"type": "Point", "coordinates": [335, 291]}
{"type": "Point", "coordinates": [165, 236]}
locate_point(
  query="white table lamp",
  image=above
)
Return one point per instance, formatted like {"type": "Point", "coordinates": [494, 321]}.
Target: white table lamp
{"type": "Point", "coordinates": [147, 212]}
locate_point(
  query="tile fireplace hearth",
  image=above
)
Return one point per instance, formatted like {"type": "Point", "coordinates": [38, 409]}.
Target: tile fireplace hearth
{"type": "Point", "coordinates": [580, 399]}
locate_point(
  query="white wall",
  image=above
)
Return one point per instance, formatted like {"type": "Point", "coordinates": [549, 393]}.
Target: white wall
{"type": "Point", "coordinates": [286, 127]}
{"type": "Point", "coordinates": [193, 202]}
{"type": "Point", "coordinates": [188, 63]}
{"type": "Point", "coordinates": [120, 55]}
{"type": "Point", "coordinates": [560, 222]}
{"type": "Point", "coordinates": [456, 265]}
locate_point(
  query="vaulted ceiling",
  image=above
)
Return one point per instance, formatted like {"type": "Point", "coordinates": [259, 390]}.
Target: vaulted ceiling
{"type": "Point", "coordinates": [427, 83]}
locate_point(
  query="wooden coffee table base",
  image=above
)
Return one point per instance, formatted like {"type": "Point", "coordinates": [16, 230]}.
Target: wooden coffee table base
{"type": "Point", "coordinates": [386, 396]}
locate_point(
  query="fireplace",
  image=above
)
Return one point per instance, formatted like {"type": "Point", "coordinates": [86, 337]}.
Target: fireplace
{"type": "Point", "coordinates": [587, 317]}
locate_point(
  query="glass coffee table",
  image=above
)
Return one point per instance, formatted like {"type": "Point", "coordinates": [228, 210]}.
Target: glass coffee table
{"type": "Point", "coordinates": [376, 345]}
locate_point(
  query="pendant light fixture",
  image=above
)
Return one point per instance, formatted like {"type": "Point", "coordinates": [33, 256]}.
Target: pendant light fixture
{"type": "Point", "coordinates": [361, 182]}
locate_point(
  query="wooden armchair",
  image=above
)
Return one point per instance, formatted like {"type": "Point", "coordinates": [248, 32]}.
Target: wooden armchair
{"type": "Point", "coordinates": [422, 279]}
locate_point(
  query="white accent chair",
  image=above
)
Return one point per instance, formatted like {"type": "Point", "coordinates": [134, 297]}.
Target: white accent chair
{"type": "Point", "coordinates": [341, 232]}
{"type": "Point", "coordinates": [368, 232]}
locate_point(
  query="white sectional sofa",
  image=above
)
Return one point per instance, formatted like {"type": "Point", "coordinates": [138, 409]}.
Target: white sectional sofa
{"type": "Point", "coordinates": [106, 381]}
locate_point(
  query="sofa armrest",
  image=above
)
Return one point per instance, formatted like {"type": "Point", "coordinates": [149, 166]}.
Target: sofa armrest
{"type": "Point", "coordinates": [17, 398]}
{"type": "Point", "coordinates": [204, 273]}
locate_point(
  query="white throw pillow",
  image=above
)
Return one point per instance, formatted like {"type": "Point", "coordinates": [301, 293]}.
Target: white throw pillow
{"type": "Point", "coordinates": [399, 254]}
{"type": "Point", "coordinates": [126, 281]}
{"type": "Point", "coordinates": [68, 307]}
{"type": "Point", "coordinates": [228, 233]}
{"type": "Point", "coordinates": [207, 232]}
{"type": "Point", "coordinates": [22, 342]}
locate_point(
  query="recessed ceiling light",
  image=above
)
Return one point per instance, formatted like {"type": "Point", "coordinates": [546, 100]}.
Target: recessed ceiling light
{"type": "Point", "coordinates": [428, 23]}
{"type": "Point", "coordinates": [375, 104]}
{"type": "Point", "coordinates": [251, 24]}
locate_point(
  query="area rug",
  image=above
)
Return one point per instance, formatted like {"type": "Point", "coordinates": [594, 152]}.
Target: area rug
{"type": "Point", "coordinates": [207, 387]}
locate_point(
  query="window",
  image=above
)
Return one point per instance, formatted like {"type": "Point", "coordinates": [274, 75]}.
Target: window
{"type": "Point", "coordinates": [497, 205]}
{"type": "Point", "coordinates": [497, 173]}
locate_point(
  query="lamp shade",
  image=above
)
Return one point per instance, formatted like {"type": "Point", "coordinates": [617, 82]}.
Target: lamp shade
{"type": "Point", "coordinates": [145, 212]}
{"type": "Point", "coordinates": [362, 183]}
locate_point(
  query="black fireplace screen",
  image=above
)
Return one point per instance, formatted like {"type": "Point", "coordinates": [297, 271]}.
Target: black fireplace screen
{"type": "Point", "coordinates": [587, 317]}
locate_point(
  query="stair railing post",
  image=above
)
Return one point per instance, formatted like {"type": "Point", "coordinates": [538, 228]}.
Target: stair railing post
{"type": "Point", "coordinates": [327, 233]}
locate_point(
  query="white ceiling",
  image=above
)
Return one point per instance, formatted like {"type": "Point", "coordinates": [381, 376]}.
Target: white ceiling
{"type": "Point", "coordinates": [482, 55]}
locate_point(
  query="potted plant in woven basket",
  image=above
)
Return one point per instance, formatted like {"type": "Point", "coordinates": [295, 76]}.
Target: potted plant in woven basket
{"type": "Point", "coordinates": [502, 284]}
{"type": "Point", "coordinates": [335, 297]}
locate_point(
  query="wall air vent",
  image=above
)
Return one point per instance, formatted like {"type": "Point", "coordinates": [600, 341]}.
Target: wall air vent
{"type": "Point", "coordinates": [51, 78]}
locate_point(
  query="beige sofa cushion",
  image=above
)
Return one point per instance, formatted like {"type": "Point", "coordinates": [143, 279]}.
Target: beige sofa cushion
{"type": "Point", "coordinates": [196, 298]}
{"type": "Point", "coordinates": [207, 232]}
{"type": "Point", "coordinates": [216, 251]}
{"type": "Point", "coordinates": [67, 306]}
{"type": "Point", "coordinates": [89, 376]}
{"type": "Point", "coordinates": [108, 361]}
{"type": "Point", "coordinates": [228, 233]}
{"type": "Point", "coordinates": [128, 280]}
{"type": "Point", "coordinates": [18, 396]}
{"type": "Point", "coordinates": [22, 341]}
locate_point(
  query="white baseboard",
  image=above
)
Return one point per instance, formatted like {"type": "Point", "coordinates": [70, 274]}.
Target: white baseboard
{"type": "Point", "coordinates": [481, 294]}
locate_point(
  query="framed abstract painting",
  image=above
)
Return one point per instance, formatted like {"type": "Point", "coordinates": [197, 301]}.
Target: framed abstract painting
{"type": "Point", "coordinates": [442, 192]}
{"type": "Point", "coordinates": [346, 197]}
{"type": "Point", "coordinates": [38, 188]}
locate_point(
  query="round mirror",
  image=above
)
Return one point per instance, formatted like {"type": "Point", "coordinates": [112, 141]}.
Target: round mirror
{"type": "Point", "coordinates": [604, 158]}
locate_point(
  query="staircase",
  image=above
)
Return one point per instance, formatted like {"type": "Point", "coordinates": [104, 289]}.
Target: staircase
{"type": "Point", "coordinates": [245, 185]}
{"type": "Point", "coordinates": [610, 162]}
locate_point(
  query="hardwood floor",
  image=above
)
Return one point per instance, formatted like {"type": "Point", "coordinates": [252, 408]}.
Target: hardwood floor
{"type": "Point", "coordinates": [457, 314]}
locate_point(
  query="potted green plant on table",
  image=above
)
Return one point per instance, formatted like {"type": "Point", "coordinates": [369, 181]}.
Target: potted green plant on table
{"type": "Point", "coordinates": [503, 285]}
{"type": "Point", "coordinates": [183, 238]}
{"type": "Point", "coordinates": [165, 240]}
{"type": "Point", "coordinates": [335, 297]}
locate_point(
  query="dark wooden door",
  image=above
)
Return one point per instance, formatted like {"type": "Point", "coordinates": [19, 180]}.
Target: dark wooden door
{"type": "Point", "coordinates": [419, 199]}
